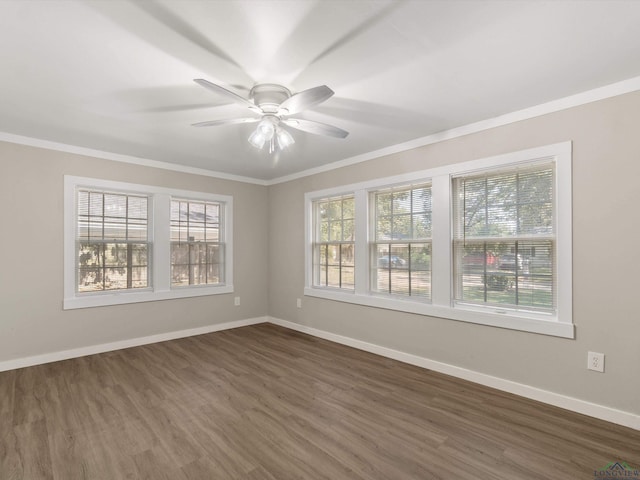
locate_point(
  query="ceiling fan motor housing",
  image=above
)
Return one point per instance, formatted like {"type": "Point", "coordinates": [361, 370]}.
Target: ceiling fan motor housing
{"type": "Point", "coordinates": [269, 96]}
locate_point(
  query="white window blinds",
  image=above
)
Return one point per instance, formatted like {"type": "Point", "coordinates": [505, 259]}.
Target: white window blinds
{"type": "Point", "coordinates": [504, 240]}
{"type": "Point", "coordinates": [112, 246]}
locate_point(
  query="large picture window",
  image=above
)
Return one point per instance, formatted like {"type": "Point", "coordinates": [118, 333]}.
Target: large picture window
{"type": "Point", "coordinates": [486, 241]}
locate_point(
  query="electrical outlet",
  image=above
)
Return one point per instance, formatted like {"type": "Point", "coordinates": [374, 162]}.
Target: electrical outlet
{"type": "Point", "coordinates": [299, 302]}
{"type": "Point", "coordinates": [595, 361]}
{"type": "Point", "coordinates": [236, 301]}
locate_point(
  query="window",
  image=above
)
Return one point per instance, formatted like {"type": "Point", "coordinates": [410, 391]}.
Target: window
{"type": "Point", "coordinates": [197, 250]}
{"type": "Point", "coordinates": [401, 247]}
{"type": "Point", "coordinates": [504, 238]}
{"type": "Point", "coordinates": [112, 241]}
{"type": "Point", "coordinates": [333, 250]}
{"type": "Point", "coordinates": [127, 243]}
{"type": "Point", "coordinates": [486, 241]}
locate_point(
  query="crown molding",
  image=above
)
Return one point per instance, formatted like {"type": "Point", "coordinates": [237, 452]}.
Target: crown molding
{"type": "Point", "coordinates": [601, 93]}
{"type": "Point", "coordinates": [145, 162]}
{"type": "Point", "coordinates": [589, 96]}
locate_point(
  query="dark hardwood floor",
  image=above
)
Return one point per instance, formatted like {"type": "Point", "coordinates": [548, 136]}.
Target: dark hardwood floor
{"type": "Point", "coordinates": [266, 403]}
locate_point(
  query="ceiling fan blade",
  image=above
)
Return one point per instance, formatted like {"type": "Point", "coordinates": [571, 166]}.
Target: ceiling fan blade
{"type": "Point", "coordinates": [316, 128]}
{"type": "Point", "coordinates": [228, 93]}
{"type": "Point", "coordinates": [305, 99]}
{"type": "Point", "coordinates": [226, 121]}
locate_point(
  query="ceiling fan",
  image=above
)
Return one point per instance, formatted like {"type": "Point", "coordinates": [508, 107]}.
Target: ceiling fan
{"type": "Point", "coordinates": [274, 104]}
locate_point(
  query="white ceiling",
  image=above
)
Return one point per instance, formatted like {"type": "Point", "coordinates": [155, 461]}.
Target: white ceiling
{"type": "Point", "coordinates": [117, 76]}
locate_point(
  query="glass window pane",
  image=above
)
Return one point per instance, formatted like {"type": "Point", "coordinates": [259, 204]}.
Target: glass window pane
{"type": "Point", "coordinates": [322, 280]}
{"type": "Point", "coordinates": [115, 206]}
{"type": "Point", "coordinates": [137, 208]}
{"type": "Point", "coordinates": [139, 255]}
{"type": "Point", "coordinates": [180, 274]}
{"type": "Point", "coordinates": [214, 254]}
{"type": "Point", "coordinates": [347, 255]}
{"type": "Point", "coordinates": [212, 213]}
{"type": "Point", "coordinates": [137, 231]}
{"type": "Point", "coordinates": [115, 228]}
{"type": "Point", "coordinates": [421, 202]}
{"type": "Point", "coordinates": [333, 256]}
{"type": "Point", "coordinates": [383, 204]}
{"type": "Point", "coordinates": [196, 212]}
{"type": "Point", "coordinates": [348, 277]}
{"type": "Point", "coordinates": [139, 277]}
{"type": "Point", "coordinates": [348, 232]}
{"type": "Point", "coordinates": [381, 280]}
{"type": "Point", "coordinates": [420, 257]}
{"type": "Point", "coordinates": [323, 232]}
{"type": "Point", "coordinates": [333, 276]}
{"type": "Point", "coordinates": [212, 234]}
{"type": "Point", "coordinates": [90, 254]}
{"type": "Point", "coordinates": [214, 273]}
{"type": "Point", "coordinates": [348, 208]}
{"type": "Point", "coordinates": [196, 232]}
{"type": "Point", "coordinates": [401, 226]}
{"type": "Point", "coordinates": [89, 279]}
{"type": "Point", "coordinates": [335, 231]}
{"type": "Point", "coordinates": [335, 210]}
{"type": "Point", "coordinates": [421, 226]}
{"type": "Point", "coordinates": [197, 253]}
{"type": "Point", "coordinates": [95, 204]}
{"type": "Point", "coordinates": [383, 228]}
{"type": "Point", "coordinates": [179, 254]}
{"type": "Point", "coordinates": [401, 202]}
{"type": "Point", "coordinates": [421, 283]}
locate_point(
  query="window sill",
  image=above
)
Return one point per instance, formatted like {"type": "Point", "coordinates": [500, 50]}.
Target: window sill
{"type": "Point", "coordinates": [533, 323]}
{"type": "Point", "coordinates": [124, 297]}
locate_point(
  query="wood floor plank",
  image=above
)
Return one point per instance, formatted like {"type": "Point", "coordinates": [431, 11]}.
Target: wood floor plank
{"type": "Point", "coordinates": [33, 448]}
{"type": "Point", "coordinates": [265, 403]}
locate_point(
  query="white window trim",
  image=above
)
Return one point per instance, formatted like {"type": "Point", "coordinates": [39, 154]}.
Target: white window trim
{"type": "Point", "coordinates": [559, 324]}
{"type": "Point", "coordinates": [160, 267]}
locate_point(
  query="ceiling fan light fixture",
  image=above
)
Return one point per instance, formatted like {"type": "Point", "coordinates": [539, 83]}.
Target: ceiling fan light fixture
{"type": "Point", "coordinates": [275, 103]}
{"type": "Point", "coordinates": [257, 139]}
{"type": "Point", "coordinates": [285, 139]}
{"type": "Point", "coordinates": [266, 128]}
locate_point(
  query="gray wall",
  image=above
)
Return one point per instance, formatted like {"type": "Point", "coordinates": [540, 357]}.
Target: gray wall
{"type": "Point", "coordinates": [32, 321]}
{"type": "Point", "coordinates": [606, 229]}
{"type": "Point", "coordinates": [269, 259]}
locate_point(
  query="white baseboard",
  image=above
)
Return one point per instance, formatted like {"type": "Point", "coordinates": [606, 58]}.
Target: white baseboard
{"type": "Point", "coordinates": [569, 403]}
{"type": "Point", "coordinates": [132, 342]}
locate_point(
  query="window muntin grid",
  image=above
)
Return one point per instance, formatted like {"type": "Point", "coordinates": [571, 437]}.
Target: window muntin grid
{"type": "Point", "coordinates": [504, 244]}
{"type": "Point", "coordinates": [112, 247]}
{"type": "Point", "coordinates": [400, 255]}
{"type": "Point", "coordinates": [334, 245]}
{"type": "Point", "coordinates": [197, 243]}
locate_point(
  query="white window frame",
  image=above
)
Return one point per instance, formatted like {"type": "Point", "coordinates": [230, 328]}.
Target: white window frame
{"type": "Point", "coordinates": [220, 242]}
{"type": "Point", "coordinates": [160, 256]}
{"type": "Point", "coordinates": [559, 323]}
{"type": "Point", "coordinates": [318, 244]}
{"type": "Point", "coordinates": [374, 242]}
